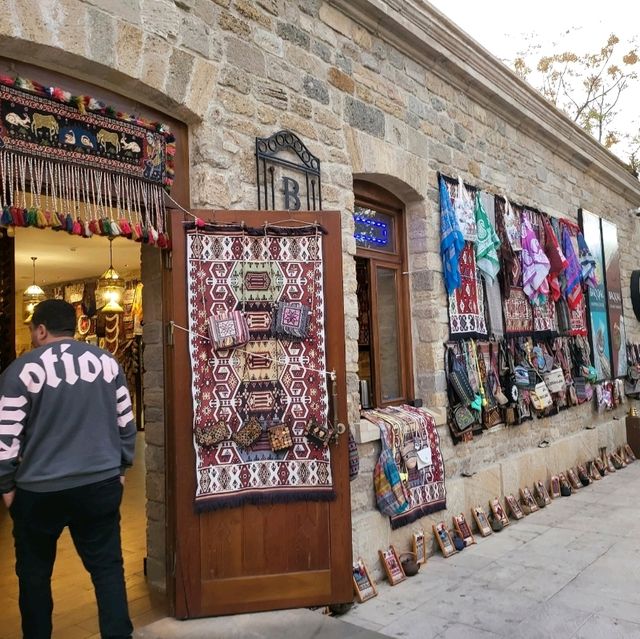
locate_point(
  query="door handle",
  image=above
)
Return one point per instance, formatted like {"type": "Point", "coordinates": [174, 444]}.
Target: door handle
{"type": "Point", "coordinates": [339, 428]}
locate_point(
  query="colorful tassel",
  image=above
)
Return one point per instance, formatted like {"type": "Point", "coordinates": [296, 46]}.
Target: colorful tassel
{"type": "Point", "coordinates": [199, 223]}
{"type": "Point", "coordinates": [94, 227]}
{"type": "Point", "coordinates": [56, 224]}
{"type": "Point", "coordinates": [68, 224]}
{"type": "Point", "coordinates": [86, 229]}
{"type": "Point", "coordinates": [163, 241]}
{"type": "Point", "coordinates": [31, 217]}
{"type": "Point", "coordinates": [125, 228]}
{"type": "Point", "coordinates": [6, 219]}
{"type": "Point", "coordinates": [18, 216]}
{"type": "Point", "coordinates": [106, 226]}
{"type": "Point", "coordinates": [76, 228]}
{"type": "Point", "coordinates": [136, 232]}
{"type": "Point", "coordinates": [41, 219]}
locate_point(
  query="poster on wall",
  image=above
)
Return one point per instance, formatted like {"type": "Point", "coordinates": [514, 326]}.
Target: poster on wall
{"type": "Point", "coordinates": [597, 298]}
{"type": "Point", "coordinates": [611, 256]}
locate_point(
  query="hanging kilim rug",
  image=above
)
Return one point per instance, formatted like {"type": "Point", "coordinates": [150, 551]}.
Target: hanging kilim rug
{"type": "Point", "coordinates": [66, 149]}
{"type": "Point", "coordinates": [273, 278]}
{"type": "Point", "coordinates": [518, 314]}
{"type": "Point", "coordinates": [466, 303]}
{"type": "Point", "coordinates": [426, 489]}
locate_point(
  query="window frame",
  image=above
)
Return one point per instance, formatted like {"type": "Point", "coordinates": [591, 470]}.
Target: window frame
{"type": "Point", "coordinates": [369, 195]}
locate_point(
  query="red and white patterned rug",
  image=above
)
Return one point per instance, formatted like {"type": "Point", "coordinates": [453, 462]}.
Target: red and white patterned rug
{"type": "Point", "coordinates": [273, 379]}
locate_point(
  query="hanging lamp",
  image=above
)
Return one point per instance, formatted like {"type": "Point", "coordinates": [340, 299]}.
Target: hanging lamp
{"type": "Point", "coordinates": [110, 288]}
{"type": "Point", "coordinates": [32, 296]}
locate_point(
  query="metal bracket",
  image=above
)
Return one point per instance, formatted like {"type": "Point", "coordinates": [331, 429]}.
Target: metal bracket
{"type": "Point", "coordinates": [169, 334]}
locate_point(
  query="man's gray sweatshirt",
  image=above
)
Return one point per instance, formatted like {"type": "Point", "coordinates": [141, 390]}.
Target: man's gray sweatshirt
{"type": "Point", "coordinates": [66, 418]}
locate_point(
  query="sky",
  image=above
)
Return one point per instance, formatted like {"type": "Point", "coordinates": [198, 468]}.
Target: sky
{"type": "Point", "coordinates": [506, 28]}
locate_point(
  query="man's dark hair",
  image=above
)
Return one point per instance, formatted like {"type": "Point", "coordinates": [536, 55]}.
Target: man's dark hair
{"type": "Point", "coordinates": [58, 317]}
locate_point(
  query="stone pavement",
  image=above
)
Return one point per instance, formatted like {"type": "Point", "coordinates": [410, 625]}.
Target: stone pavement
{"type": "Point", "coordinates": [571, 570]}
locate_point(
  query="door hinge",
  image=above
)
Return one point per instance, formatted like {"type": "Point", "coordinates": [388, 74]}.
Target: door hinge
{"type": "Point", "coordinates": [169, 334]}
{"type": "Point", "coordinates": [167, 260]}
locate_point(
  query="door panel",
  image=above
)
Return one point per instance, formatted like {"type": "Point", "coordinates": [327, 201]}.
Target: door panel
{"type": "Point", "coordinates": [255, 557]}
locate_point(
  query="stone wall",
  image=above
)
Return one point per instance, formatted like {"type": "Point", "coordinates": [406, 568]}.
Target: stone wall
{"type": "Point", "coordinates": [391, 93]}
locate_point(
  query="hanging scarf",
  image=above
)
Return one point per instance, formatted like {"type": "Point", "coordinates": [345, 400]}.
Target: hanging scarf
{"type": "Point", "coordinates": [492, 290]}
{"type": "Point", "coordinates": [487, 245]}
{"type": "Point", "coordinates": [535, 265]}
{"type": "Point", "coordinates": [557, 260]}
{"type": "Point", "coordinates": [465, 214]}
{"type": "Point", "coordinates": [573, 289]}
{"type": "Point", "coordinates": [587, 262]}
{"type": "Point", "coordinates": [512, 224]}
{"type": "Point", "coordinates": [510, 272]}
{"type": "Point", "coordinates": [451, 241]}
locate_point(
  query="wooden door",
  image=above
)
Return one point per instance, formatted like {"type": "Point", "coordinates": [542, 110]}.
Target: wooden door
{"type": "Point", "coordinates": [255, 557]}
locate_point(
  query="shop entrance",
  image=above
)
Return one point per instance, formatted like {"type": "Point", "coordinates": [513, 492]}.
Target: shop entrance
{"type": "Point", "coordinates": [69, 267]}
{"type": "Point", "coordinates": [264, 556]}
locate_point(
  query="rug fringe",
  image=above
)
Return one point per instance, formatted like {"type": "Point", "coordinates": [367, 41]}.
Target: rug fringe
{"type": "Point", "coordinates": [207, 504]}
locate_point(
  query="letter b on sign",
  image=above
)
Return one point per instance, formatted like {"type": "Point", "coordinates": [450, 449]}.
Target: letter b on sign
{"type": "Point", "coordinates": [291, 189]}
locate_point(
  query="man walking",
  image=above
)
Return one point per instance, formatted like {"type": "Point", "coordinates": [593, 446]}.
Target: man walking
{"type": "Point", "coordinates": [67, 433]}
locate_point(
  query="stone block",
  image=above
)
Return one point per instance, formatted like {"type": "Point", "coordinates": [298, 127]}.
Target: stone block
{"type": "Point", "coordinates": [336, 20]}
{"type": "Point", "coordinates": [245, 55]}
{"type": "Point", "coordinates": [196, 36]}
{"type": "Point", "coordinates": [251, 12]}
{"type": "Point", "coordinates": [370, 532]}
{"type": "Point", "coordinates": [228, 22]}
{"type": "Point", "coordinates": [180, 68]}
{"type": "Point", "coordinates": [364, 117]}
{"type": "Point", "coordinates": [268, 42]}
{"type": "Point", "coordinates": [292, 33]}
{"type": "Point", "coordinates": [269, 5]}
{"type": "Point", "coordinates": [128, 10]}
{"type": "Point", "coordinates": [160, 17]}
{"type": "Point", "coordinates": [340, 80]}
{"type": "Point", "coordinates": [316, 89]}
{"type": "Point", "coordinates": [129, 41]}
{"type": "Point", "coordinates": [156, 573]}
{"type": "Point", "coordinates": [154, 458]}
{"type": "Point", "coordinates": [155, 486]}
{"type": "Point", "coordinates": [154, 432]}
{"type": "Point", "coordinates": [321, 50]}
{"type": "Point", "coordinates": [101, 34]}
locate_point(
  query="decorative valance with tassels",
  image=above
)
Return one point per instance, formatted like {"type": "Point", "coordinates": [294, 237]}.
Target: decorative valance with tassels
{"type": "Point", "coordinates": [72, 163]}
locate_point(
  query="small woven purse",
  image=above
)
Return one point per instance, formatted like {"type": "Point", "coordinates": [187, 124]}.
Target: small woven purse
{"type": "Point", "coordinates": [248, 433]}
{"type": "Point", "coordinates": [279, 437]}
{"type": "Point", "coordinates": [320, 435]}
{"type": "Point", "coordinates": [292, 320]}
{"type": "Point", "coordinates": [212, 433]}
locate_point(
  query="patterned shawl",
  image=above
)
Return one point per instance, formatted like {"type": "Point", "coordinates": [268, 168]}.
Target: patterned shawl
{"type": "Point", "coordinates": [587, 262]}
{"type": "Point", "coordinates": [557, 260]}
{"type": "Point", "coordinates": [492, 290]}
{"type": "Point", "coordinates": [573, 289]}
{"type": "Point", "coordinates": [535, 265]}
{"type": "Point", "coordinates": [512, 224]}
{"type": "Point", "coordinates": [465, 214]}
{"type": "Point", "coordinates": [487, 244]}
{"type": "Point", "coordinates": [510, 272]}
{"type": "Point", "coordinates": [451, 240]}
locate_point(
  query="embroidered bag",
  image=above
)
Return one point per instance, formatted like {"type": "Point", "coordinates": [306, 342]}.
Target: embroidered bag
{"type": "Point", "coordinates": [292, 320]}
{"type": "Point", "coordinates": [319, 435]}
{"type": "Point", "coordinates": [409, 454]}
{"type": "Point", "coordinates": [491, 416]}
{"type": "Point", "coordinates": [540, 397]}
{"type": "Point", "coordinates": [212, 433]}
{"type": "Point", "coordinates": [525, 377]}
{"type": "Point", "coordinates": [248, 433]}
{"type": "Point", "coordinates": [391, 493]}
{"type": "Point", "coordinates": [463, 418]}
{"type": "Point", "coordinates": [279, 437]}
{"type": "Point", "coordinates": [554, 380]}
{"type": "Point", "coordinates": [228, 329]}
{"type": "Point", "coordinates": [459, 379]}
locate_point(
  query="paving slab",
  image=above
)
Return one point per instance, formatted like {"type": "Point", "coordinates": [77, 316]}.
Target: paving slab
{"type": "Point", "coordinates": [569, 571]}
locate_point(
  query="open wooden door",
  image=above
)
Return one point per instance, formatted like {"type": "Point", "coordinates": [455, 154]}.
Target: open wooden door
{"type": "Point", "coordinates": [255, 557]}
{"type": "Point", "coordinates": [7, 300]}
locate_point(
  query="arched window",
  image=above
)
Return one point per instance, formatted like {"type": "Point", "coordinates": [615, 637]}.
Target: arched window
{"type": "Point", "coordinates": [384, 343]}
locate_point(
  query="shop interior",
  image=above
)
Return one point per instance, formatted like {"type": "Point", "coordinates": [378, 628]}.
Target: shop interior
{"type": "Point", "coordinates": [101, 278]}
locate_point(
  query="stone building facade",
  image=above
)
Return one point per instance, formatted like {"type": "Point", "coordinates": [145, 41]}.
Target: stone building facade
{"type": "Point", "coordinates": [385, 91]}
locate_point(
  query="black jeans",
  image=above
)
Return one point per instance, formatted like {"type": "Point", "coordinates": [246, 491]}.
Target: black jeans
{"type": "Point", "coordinates": [92, 513]}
